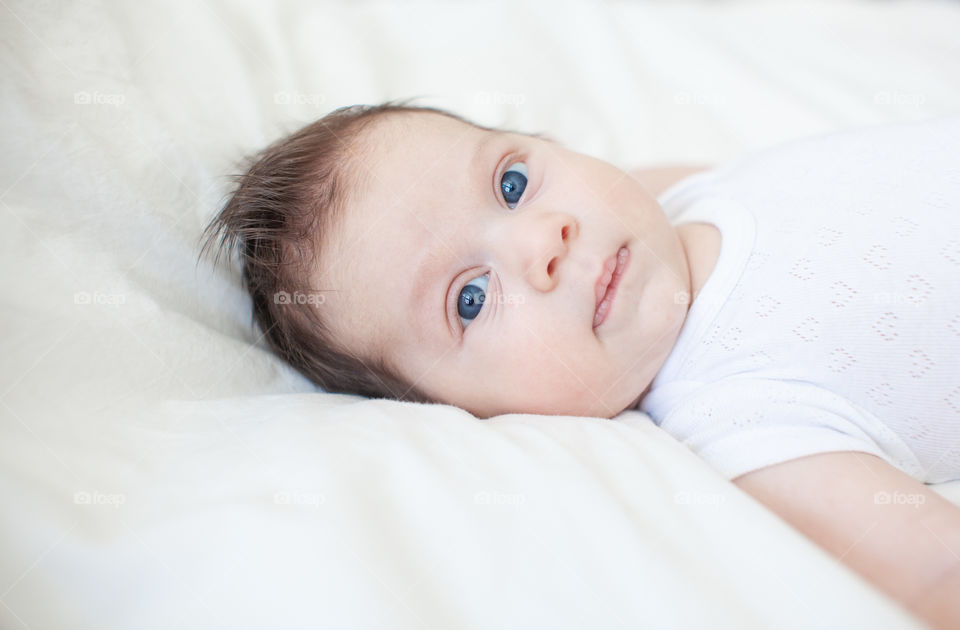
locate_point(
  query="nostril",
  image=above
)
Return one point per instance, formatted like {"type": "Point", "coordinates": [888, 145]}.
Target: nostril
{"type": "Point", "coordinates": [564, 232]}
{"type": "Point", "coordinates": [551, 266]}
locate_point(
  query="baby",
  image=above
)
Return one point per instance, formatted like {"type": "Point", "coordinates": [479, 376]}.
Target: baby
{"type": "Point", "coordinates": [792, 316]}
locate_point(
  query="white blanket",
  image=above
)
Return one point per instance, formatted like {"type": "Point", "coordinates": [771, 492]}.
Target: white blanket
{"type": "Point", "coordinates": [160, 468]}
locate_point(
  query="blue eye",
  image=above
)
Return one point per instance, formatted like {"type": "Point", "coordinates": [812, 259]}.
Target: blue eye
{"type": "Point", "coordinates": [513, 183]}
{"type": "Point", "coordinates": [471, 299]}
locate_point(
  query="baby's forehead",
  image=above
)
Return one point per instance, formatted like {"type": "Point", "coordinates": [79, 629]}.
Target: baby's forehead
{"type": "Point", "coordinates": [408, 149]}
{"type": "Point", "coordinates": [416, 164]}
{"type": "Point", "coordinates": [405, 137]}
{"type": "Point", "coordinates": [427, 119]}
{"type": "Point", "coordinates": [408, 160]}
{"type": "Point", "coordinates": [401, 125]}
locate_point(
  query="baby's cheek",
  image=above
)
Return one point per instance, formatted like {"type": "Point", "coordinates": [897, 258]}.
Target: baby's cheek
{"type": "Point", "coordinates": [562, 387]}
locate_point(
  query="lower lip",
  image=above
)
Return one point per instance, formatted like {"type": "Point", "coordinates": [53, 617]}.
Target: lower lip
{"type": "Point", "coordinates": [603, 309]}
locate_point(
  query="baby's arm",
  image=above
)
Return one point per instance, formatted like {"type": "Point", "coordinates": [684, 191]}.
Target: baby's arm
{"type": "Point", "coordinates": [882, 523]}
{"type": "Point", "coordinates": [657, 180]}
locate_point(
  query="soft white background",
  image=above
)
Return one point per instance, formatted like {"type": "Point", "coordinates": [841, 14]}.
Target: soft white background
{"type": "Point", "coordinates": [159, 468]}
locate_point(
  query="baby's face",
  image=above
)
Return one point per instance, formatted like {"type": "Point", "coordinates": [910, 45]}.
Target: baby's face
{"type": "Point", "coordinates": [470, 259]}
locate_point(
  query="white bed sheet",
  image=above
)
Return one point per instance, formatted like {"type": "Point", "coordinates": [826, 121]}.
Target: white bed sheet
{"type": "Point", "coordinates": [160, 468]}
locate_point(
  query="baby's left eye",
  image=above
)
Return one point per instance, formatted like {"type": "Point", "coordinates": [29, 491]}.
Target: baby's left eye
{"type": "Point", "coordinates": [471, 299]}
{"type": "Point", "coordinates": [513, 182]}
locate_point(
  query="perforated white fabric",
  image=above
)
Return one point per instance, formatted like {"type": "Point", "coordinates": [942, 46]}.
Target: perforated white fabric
{"type": "Point", "coordinates": [832, 319]}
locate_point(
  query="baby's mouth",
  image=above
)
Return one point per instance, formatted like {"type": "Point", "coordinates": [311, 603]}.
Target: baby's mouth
{"type": "Point", "coordinates": [606, 287]}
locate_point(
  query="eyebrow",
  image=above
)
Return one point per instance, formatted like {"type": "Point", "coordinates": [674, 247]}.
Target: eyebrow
{"type": "Point", "coordinates": [425, 275]}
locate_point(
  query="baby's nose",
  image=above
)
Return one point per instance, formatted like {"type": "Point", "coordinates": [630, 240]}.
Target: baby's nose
{"type": "Point", "coordinates": [548, 246]}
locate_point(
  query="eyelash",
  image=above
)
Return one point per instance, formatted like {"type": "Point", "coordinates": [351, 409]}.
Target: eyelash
{"type": "Point", "coordinates": [504, 165]}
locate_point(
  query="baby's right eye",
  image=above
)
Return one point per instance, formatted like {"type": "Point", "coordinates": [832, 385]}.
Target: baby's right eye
{"type": "Point", "coordinates": [513, 182]}
{"type": "Point", "coordinates": [471, 298]}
